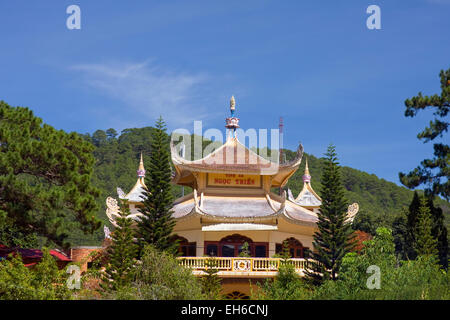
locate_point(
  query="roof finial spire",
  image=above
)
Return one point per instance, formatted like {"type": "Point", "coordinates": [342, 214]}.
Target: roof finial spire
{"type": "Point", "coordinates": [306, 176]}
{"type": "Point", "coordinates": [232, 122]}
{"type": "Point", "coordinates": [141, 169]}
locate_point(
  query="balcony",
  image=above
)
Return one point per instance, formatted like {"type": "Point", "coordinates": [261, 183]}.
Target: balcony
{"type": "Point", "coordinates": [237, 267]}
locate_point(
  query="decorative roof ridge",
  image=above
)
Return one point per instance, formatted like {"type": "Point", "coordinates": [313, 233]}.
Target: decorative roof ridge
{"type": "Point", "coordinates": [291, 196]}
{"type": "Point", "coordinates": [286, 216]}
{"type": "Point", "coordinates": [184, 198]}
{"type": "Point", "coordinates": [269, 200]}
{"type": "Point", "coordinates": [297, 160]}
{"type": "Point", "coordinates": [299, 206]}
{"type": "Point", "coordinates": [231, 141]}
{"type": "Point", "coordinates": [196, 202]}
{"type": "Point", "coordinates": [351, 212]}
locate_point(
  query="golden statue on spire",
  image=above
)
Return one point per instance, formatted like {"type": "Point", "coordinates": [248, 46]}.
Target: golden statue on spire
{"type": "Point", "coordinates": [232, 105]}
{"type": "Point", "coordinates": [232, 122]}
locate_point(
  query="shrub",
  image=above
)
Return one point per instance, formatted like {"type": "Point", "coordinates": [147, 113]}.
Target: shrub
{"type": "Point", "coordinates": [41, 282]}
{"type": "Point", "coordinates": [160, 277]}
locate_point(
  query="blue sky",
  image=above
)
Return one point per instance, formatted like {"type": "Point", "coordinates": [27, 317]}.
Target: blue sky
{"type": "Point", "coordinates": [313, 62]}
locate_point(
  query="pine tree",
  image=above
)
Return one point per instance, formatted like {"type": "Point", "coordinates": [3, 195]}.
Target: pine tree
{"type": "Point", "coordinates": [425, 243]}
{"type": "Point", "coordinates": [411, 223]}
{"type": "Point", "coordinates": [121, 253]}
{"type": "Point", "coordinates": [157, 223]}
{"type": "Point", "coordinates": [400, 234]}
{"type": "Point", "coordinates": [45, 180]}
{"type": "Point", "coordinates": [334, 236]}
{"type": "Point", "coordinates": [439, 230]}
{"type": "Point", "coordinates": [432, 173]}
{"type": "Point", "coordinates": [211, 283]}
{"type": "Point", "coordinates": [245, 251]}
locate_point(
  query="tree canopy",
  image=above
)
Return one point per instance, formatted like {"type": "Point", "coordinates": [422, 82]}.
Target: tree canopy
{"type": "Point", "coordinates": [433, 173]}
{"type": "Point", "coordinates": [45, 179]}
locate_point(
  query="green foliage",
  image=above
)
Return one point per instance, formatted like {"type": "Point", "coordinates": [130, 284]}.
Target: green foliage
{"type": "Point", "coordinates": [157, 222]}
{"type": "Point", "coordinates": [45, 179]}
{"type": "Point", "coordinates": [287, 285]}
{"type": "Point", "coordinates": [425, 243]}
{"type": "Point", "coordinates": [433, 173]}
{"type": "Point", "coordinates": [160, 277]}
{"type": "Point", "coordinates": [400, 234]}
{"type": "Point", "coordinates": [211, 283]}
{"type": "Point", "coordinates": [333, 238]}
{"type": "Point", "coordinates": [417, 279]}
{"type": "Point", "coordinates": [12, 235]}
{"type": "Point", "coordinates": [122, 253]}
{"type": "Point", "coordinates": [41, 282]}
{"type": "Point", "coordinates": [245, 250]}
{"type": "Point", "coordinates": [438, 229]}
{"type": "Point", "coordinates": [285, 253]}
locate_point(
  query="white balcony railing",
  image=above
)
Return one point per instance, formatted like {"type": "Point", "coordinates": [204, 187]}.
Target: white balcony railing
{"type": "Point", "coordinates": [241, 265]}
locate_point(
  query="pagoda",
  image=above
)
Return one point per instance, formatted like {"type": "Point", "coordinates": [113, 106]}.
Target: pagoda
{"type": "Point", "coordinates": [231, 207]}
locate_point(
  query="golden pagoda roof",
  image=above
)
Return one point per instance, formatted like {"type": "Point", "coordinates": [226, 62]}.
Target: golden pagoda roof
{"type": "Point", "coordinates": [233, 157]}
{"type": "Point", "coordinates": [136, 193]}
{"type": "Point", "coordinates": [307, 197]}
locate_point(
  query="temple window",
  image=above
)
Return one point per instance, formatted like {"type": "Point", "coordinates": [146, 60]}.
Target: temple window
{"type": "Point", "coordinates": [212, 250]}
{"type": "Point", "coordinates": [296, 249]}
{"type": "Point", "coordinates": [186, 248]}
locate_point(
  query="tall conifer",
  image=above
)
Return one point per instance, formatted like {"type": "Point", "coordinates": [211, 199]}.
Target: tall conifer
{"type": "Point", "coordinates": [425, 243]}
{"type": "Point", "coordinates": [157, 224]}
{"type": "Point", "coordinates": [121, 253]}
{"type": "Point", "coordinates": [439, 230]}
{"type": "Point", "coordinates": [334, 236]}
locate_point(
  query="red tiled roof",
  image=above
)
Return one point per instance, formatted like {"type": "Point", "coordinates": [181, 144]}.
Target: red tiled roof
{"type": "Point", "coordinates": [59, 255]}
{"type": "Point", "coordinates": [31, 253]}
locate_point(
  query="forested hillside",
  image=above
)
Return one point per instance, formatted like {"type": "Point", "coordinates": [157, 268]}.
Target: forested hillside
{"type": "Point", "coordinates": [118, 157]}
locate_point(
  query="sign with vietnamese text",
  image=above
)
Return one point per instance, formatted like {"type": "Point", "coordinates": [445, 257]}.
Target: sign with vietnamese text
{"type": "Point", "coordinates": [233, 180]}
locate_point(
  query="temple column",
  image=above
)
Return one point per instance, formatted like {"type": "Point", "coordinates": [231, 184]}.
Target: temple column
{"type": "Point", "coordinates": [272, 247]}
{"type": "Point", "coordinates": [200, 245]}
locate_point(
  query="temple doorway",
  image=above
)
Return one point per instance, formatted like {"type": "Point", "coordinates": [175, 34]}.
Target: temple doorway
{"type": "Point", "coordinates": [232, 246]}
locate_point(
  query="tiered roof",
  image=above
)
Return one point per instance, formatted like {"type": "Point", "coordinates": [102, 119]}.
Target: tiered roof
{"type": "Point", "coordinates": [307, 197]}
{"type": "Point", "coordinates": [233, 157]}
{"type": "Point", "coordinates": [241, 209]}
{"type": "Point", "coordinates": [136, 193]}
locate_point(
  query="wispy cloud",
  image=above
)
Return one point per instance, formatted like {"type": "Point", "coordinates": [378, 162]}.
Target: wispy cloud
{"type": "Point", "coordinates": [149, 90]}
